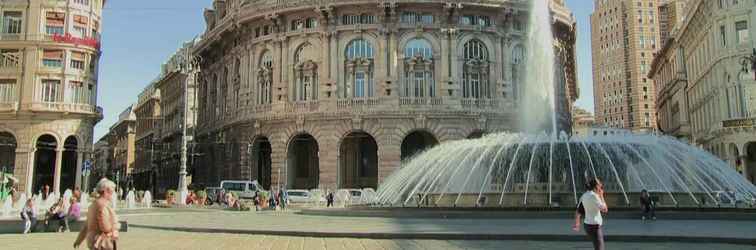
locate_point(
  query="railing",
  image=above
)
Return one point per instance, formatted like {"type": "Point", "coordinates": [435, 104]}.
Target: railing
{"type": "Point", "coordinates": [302, 106]}
{"type": "Point", "coordinates": [8, 106]}
{"type": "Point", "coordinates": [357, 104]}
{"type": "Point", "coordinates": [10, 36]}
{"type": "Point", "coordinates": [63, 107]}
{"type": "Point", "coordinates": [480, 103]}
{"type": "Point", "coordinates": [420, 101]}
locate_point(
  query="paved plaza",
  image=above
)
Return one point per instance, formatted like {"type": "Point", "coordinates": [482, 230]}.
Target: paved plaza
{"type": "Point", "coordinates": [163, 239]}
{"type": "Point", "coordinates": [214, 229]}
{"type": "Point", "coordinates": [292, 224]}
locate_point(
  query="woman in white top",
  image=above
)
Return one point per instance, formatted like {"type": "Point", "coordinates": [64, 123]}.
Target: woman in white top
{"type": "Point", "coordinates": [591, 206]}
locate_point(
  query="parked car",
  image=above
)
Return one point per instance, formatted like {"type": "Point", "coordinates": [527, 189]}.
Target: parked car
{"type": "Point", "coordinates": [245, 189]}
{"type": "Point", "coordinates": [298, 196]}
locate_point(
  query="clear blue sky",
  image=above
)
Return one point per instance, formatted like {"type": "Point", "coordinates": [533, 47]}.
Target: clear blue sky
{"type": "Point", "coordinates": [139, 35]}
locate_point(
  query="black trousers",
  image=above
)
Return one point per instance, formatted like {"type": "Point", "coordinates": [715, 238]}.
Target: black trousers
{"type": "Point", "coordinates": [595, 235]}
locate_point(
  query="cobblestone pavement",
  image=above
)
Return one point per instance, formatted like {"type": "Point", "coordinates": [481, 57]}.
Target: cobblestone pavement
{"type": "Point", "coordinates": [160, 239]}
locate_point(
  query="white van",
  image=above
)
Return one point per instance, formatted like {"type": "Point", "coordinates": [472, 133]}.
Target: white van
{"type": "Point", "coordinates": [245, 189]}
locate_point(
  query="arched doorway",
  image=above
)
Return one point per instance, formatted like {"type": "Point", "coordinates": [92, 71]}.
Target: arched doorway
{"type": "Point", "coordinates": [303, 171]}
{"type": "Point", "coordinates": [476, 134]}
{"type": "Point", "coordinates": [68, 168]}
{"type": "Point", "coordinates": [44, 163]}
{"type": "Point", "coordinates": [7, 152]}
{"type": "Point", "coordinates": [416, 142]}
{"type": "Point", "coordinates": [261, 161]}
{"type": "Point", "coordinates": [358, 163]}
{"type": "Point", "coordinates": [750, 162]}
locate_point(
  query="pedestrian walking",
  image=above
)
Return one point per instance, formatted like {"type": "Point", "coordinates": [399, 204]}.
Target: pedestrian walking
{"type": "Point", "coordinates": [29, 215]}
{"type": "Point", "coordinates": [591, 205]}
{"type": "Point", "coordinates": [329, 199]}
{"type": "Point", "coordinates": [101, 229]}
{"type": "Point", "coordinates": [647, 205]}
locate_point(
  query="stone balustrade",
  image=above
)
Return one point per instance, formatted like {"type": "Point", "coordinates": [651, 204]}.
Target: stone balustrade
{"type": "Point", "coordinates": [63, 107]}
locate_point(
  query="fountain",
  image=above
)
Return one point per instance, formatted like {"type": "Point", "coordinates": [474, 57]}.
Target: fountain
{"type": "Point", "coordinates": [544, 168]}
{"type": "Point", "coordinates": [7, 207]}
{"type": "Point", "coordinates": [21, 202]}
{"type": "Point", "coordinates": [130, 200]}
{"type": "Point", "coordinates": [147, 200]}
{"type": "Point", "coordinates": [515, 170]}
{"type": "Point", "coordinates": [84, 202]}
{"type": "Point", "coordinates": [114, 201]}
{"type": "Point", "coordinates": [67, 195]}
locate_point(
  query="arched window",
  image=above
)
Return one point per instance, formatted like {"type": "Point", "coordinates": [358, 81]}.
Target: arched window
{"type": "Point", "coordinates": [224, 91]}
{"type": "Point", "coordinates": [518, 57]}
{"type": "Point", "coordinates": [213, 95]}
{"type": "Point", "coordinates": [418, 69]}
{"type": "Point", "coordinates": [475, 82]}
{"type": "Point", "coordinates": [305, 73]}
{"type": "Point", "coordinates": [359, 69]}
{"type": "Point", "coordinates": [265, 78]}
{"type": "Point", "coordinates": [237, 83]}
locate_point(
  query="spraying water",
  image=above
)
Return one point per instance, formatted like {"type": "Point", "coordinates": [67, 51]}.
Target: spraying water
{"type": "Point", "coordinates": [538, 90]}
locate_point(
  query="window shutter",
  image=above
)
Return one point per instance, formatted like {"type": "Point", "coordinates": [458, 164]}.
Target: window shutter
{"type": "Point", "coordinates": [53, 54]}
{"type": "Point", "coordinates": [56, 19]}
{"type": "Point", "coordinates": [79, 56]}
{"type": "Point", "coordinates": [81, 21]}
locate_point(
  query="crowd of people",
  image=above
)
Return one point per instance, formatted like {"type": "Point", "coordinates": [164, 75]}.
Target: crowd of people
{"type": "Point", "coordinates": [63, 211]}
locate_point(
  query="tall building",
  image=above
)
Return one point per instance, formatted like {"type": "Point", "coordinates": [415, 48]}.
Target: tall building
{"type": "Point", "coordinates": [705, 81]}
{"type": "Point", "coordinates": [49, 51]}
{"type": "Point", "coordinates": [625, 34]}
{"type": "Point", "coordinates": [339, 96]}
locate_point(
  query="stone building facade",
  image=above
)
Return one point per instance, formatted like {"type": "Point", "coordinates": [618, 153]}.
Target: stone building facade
{"type": "Point", "coordinates": [148, 119]}
{"type": "Point", "coordinates": [335, 94]}
{"type": "Point", "coordinates": [707, 92]}
{"type": "Point", "coordinates": [122, 139]}
{"type": "Point", "coordinates": [49, 51]}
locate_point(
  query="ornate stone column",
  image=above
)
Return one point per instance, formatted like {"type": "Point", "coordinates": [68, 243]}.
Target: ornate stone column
{"type": "Point", "coordinates": [30, 172]}
{"type": "Point", "coordinates": [58, 166]}
{"type": "Point", "coordinates": [79, 165]}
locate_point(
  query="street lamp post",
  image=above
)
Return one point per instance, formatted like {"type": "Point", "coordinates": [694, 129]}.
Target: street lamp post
{"type": "Point", "coordinates": [189, 67]}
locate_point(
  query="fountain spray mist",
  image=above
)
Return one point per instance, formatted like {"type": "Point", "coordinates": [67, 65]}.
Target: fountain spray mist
{"type": "Point", "coordinates": [537, 102]}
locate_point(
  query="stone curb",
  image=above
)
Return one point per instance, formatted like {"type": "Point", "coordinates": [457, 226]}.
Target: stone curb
{"type": "Point", "coordinates": [506, 214]}
{"type": "Point", "coordinates": [460, 236]}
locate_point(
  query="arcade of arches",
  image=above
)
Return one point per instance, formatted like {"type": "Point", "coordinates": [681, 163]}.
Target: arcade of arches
{"type": "Point", "coordinates": [55, 166]}
{"type": "Point", "coordinates": [356, 160]}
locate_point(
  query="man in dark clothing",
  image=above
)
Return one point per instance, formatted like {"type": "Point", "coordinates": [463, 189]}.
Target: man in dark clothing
{"type": "Point", "coordinates": [647, 204]}
{"type": "Point", "coordinates": [329, 199]}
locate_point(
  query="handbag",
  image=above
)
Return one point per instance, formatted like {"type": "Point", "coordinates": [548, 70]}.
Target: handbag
{"type": "Point", "coordinates": [104, 242]}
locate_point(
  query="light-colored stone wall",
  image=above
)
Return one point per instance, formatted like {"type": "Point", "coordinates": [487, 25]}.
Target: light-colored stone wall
{"type": "Point", "coordinates": [26, 112]}
{"type": "Point", "coordinates": [702, 72]}
{"type": "Point", "coordinates": [233, 50]}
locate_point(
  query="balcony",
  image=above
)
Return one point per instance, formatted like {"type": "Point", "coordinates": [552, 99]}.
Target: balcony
{"type": "Point", "coordinates": [10, 36]}
{"type": "Point", "coordinates": [63, 107]}
{"type": "Point", "coordinates": [8, 106]}
{"type": "Point", "coordinates": [420, 101]}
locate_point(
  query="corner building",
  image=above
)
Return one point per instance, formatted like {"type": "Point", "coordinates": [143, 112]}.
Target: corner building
{"type": "Point", "coordinates": [49, 51]}
{"type": "Point", "coordinates": [335, 94]}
